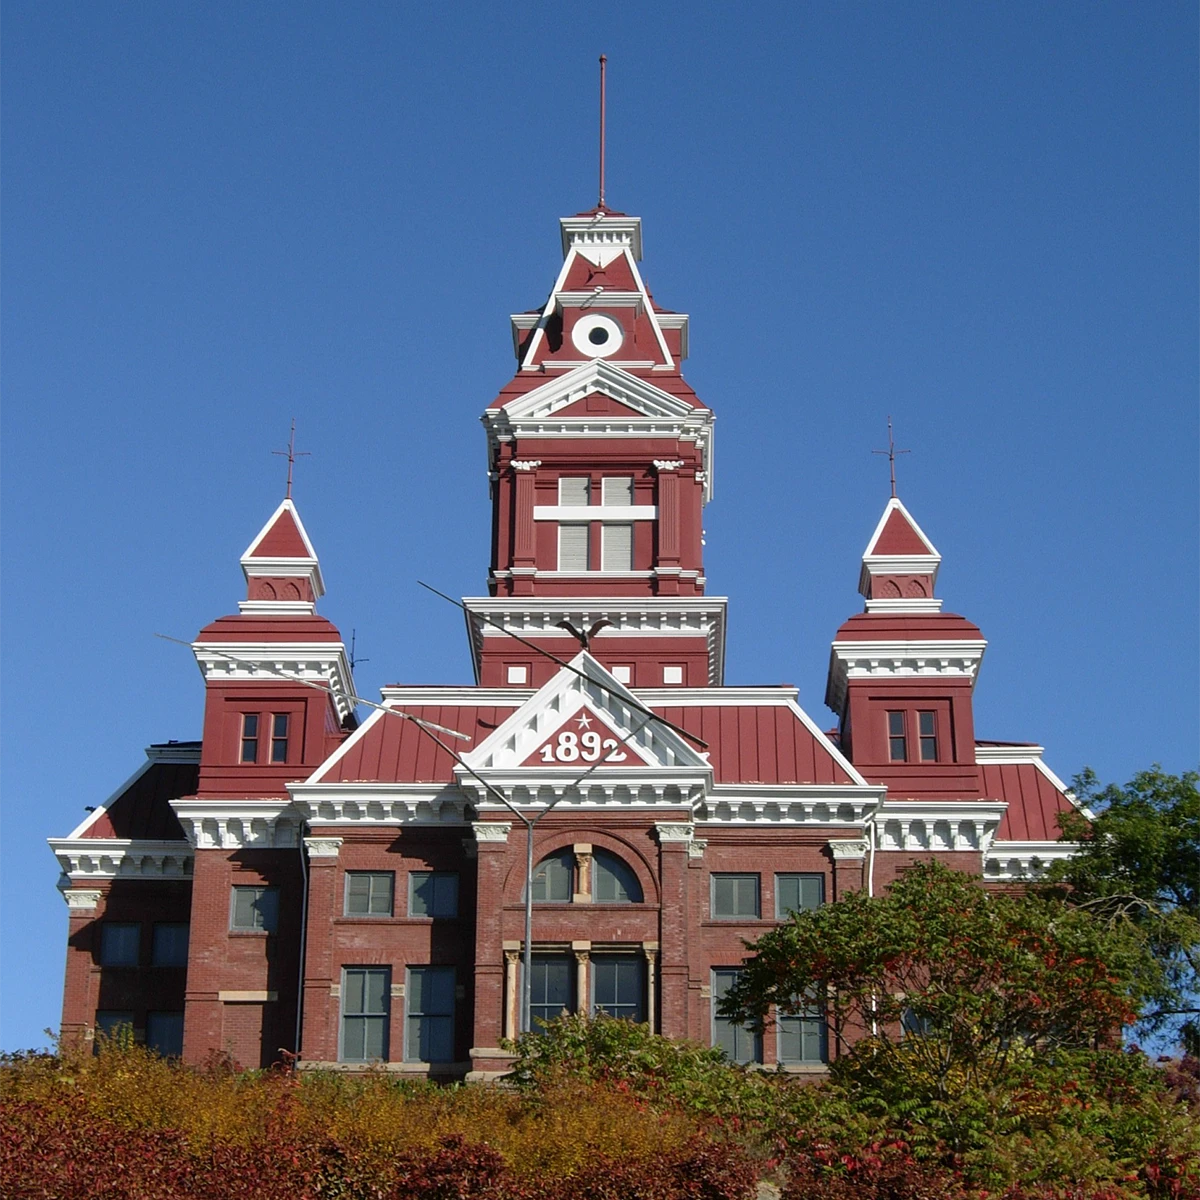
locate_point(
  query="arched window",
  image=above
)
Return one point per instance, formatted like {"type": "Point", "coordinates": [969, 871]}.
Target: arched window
{"type": "Point", "coordinates": [554, 878]}
{"type": "Point", "coordinates": [613, 881]}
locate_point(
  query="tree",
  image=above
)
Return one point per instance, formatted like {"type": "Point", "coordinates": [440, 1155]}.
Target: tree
{"type": "Point", "coordinates": [1139, 866]}
{"type": "Point", "coordinates": [944, 985]}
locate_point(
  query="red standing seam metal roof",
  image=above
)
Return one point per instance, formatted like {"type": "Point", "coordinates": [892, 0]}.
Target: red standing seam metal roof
{"type": "Point", "coordinates": [907, 627]}
{"type": "Point", "coordinates": [899, 537]}
{"type": "Point", "coordinates": [249, 627]}
{"type": "Point", "coordinates": [1033, 801]}
{"type": "Point", "coordinates": [142, 811]}
{"type": "Point", "coordinates": [282, 540]}
{"type": "Point", "coordinates": [747, 744]}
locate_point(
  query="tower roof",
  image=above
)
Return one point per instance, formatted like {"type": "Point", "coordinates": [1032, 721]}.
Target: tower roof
{"type": "Point", "coordinates": [283, 574]}
{"type": "Point", "coordinates": [900, 564]}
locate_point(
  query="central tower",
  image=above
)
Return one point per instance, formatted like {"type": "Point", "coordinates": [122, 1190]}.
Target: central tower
{"type": "Point", "coordinates": [600, 463]}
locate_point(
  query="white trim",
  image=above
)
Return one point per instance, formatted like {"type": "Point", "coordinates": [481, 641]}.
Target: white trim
{"type": "Point", "coordinates": [820, 805]}
{"type": "Point", "coordinates": [342, 750]}
{"type": "Point", "coordinates": [283, 608]}
{"type": "Point", "coordinates": [848, 849]}
{"type": "Point", "coordinates": [81, 899]}
{"type": "Point", "coordinates": [247, 997]}
{"type": "Point", "coordinates": [942, 657]}
{"type": "Point", "coordinates": [1030, 755]}
{"type": "Point", "coordinates": [307, 566]}
{"type": "Point", "coordinates": [124, 858]}
{"type": "Point", "coordinates": [894, 505]}
{"type": "Point", "coordinates": [239, 824]}
{"type": "Point", "coordinates": [316, 661]}
{"type": "Point", "coordinates": [323, 846]}
{"type": "Point", "coordinates": [402, 695]}
{"type": "Point", "coordinates": [601, 232]}
{"type": "Point", "coordinates": [1013, 861]}
{"type": "Point", "coordinates": [595, 512]}
{"type": "Point", "coordinates": [938, 825]}
{"type": "Point", "coordinates": [288, 506]}
{"type": "Point", "coordinates": [906, 604]}
{"type": "Point", "coordinates": [380, 803]}
{"type": "Point", "coordinates": [822, 740]}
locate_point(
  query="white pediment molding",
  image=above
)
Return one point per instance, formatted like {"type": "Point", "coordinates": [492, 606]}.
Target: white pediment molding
{"type": "Point", "coordinates": [620, 385]}
{"type": "Point", "coordinates": [1011, 862]}
{"type": "Point", "coordinates": [361, 803]}
{"type": "Point", "coordinates": [789, 804]}
{"type": "Point", "coordinates": [507, 748]}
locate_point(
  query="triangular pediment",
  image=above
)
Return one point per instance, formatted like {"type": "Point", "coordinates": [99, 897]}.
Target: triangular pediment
{"type": "Point", "coordinates": [898, 534]}
{"type": "Point", "coordinates": [597, 404]}
{"type": "Point", "coordinates": [585, 738]}
{"type": "Point", "coordinates": [626, 389]}
{"type": "Point", "coordinates": [596, 695]}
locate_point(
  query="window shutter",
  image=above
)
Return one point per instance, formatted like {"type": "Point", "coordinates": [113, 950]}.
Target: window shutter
{"type": "Point", "coordinates": [616, 490]}
{"type": "Point", "coordinates": [573, 490]}
{"type": "Point", "coordinates": [573, 547]}
{"type": "Point", "coordinates": [617, 547]}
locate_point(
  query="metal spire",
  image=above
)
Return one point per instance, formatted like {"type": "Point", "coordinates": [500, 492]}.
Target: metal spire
{"type": "Point", "coordinates": [603, 61]}
{"type": "Point", "coordinates": [291, 454]}
{"type": "Point", "coordinates": [891, 453]}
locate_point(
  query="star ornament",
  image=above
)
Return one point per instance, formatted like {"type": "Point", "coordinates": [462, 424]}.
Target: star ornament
{"type": "Point", "coordinates": [584, 721]}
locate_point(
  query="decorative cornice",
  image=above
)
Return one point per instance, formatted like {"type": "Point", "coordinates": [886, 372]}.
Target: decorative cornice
{"type": "Point", "coordinates": [669, 831]}
{"type": "Point", "coordinates": [938, 825]}
{"type": "Point", "coordinates": [324, 662]}
{"type": "Point", "coordinates": [1016, 861]}
{"type": "Point", "coordinates": [905, 604]}
{"type": "Point", "coordinates": [900, 660]}
{"type": "Point", "coordinates": [81, 899]}
{"type": "Point", "coordinates": [279, 608]}
{"type": "Point", "coordinates": [527, 464]}
{"type": "Point", "coordinates": [124, 858]}
{"type": "Point", "coordinates": [491, 831]}
{"type": "Point", "coordinates": [789, 806]}
{"type": "Point", "coordinates": [323, 847]}
{"type": "Point", "coordinates": [843, 849]}
{"type": "Point", "coordinates": [239, 824]}
{"type": "Point", "coordinates": [667, 464]}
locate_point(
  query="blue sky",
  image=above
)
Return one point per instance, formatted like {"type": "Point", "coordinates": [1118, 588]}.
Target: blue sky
{"type": "Point", "coordinates": [979, 218]}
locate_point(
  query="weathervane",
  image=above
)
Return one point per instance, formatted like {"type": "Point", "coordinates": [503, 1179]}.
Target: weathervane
{"type": "Point", "coordinates": [603, 61]}
{"type": "Point", "coordinates": [891, 452]}
{"type": "Point", "coordinates": [291, 454]}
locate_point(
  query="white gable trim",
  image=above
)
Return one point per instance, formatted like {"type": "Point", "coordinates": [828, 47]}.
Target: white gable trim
{"type": "Point", "coordinates": [597, 376]}
{"type": "Point", "coordinates": [262, 533]}
{"type": "Point", "coordinates": [894, 505]}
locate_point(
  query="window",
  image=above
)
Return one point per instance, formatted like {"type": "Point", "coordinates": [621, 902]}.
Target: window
{"type": "Point", "coordinates": [120, 943]}
{"type": "Point", "coordinates": [619, 986]}
{"type": "Point", "coordinates": [613, 881]}
{"type": "Point", "coordinates": [115, 1023]}
{"type": "Point", "coordinates": [517, 674]}
{"type": "Point", "coordinates": [623, 674]}
{"type": "Point", "coordinates": [574, 491]}
{"type": "Point", "coordinates": [369, 893]}
{"type": "Point", "coordinates": [364, 1013]}
{"type": "Point", "coordinates": [741, 1045]}
{"type": "Point", "coordinates": [801, 1037]}
{"type": "Point", "coordinates": [672, 675]}
{"type": "Point", "coordinates": [554, 878]}
{"type": "Point", "coordinates": [279, 738]}
{"type": "Point", "coordinates": [552, 988]}
{"type": "Point", "coordinates": [735, 896]}
{"type": "Point", "coordinates": [250, 737]}
{"type": "Point", "coordinates": [164, 1033]}
{"type": "Point", "coordinates": [616, 547]}
{"type": "Point", "coordinates": [897, 742]}
{"type": "Point", "coordinates": [170, 945]}
{"type": "Point", "coordinates": [254, 909]}
{"type": "Point", "coordinates": [434, 894]}
{"type": "Point", "coordinates": [574, 547]}
{"type": "Point", "coordinates": [914, 1025]}
{"type": "Point", "coordinates": [927, 728]}
{"type": "Point", "coordinates": [616, 491]}
{"type": "Point", "coordinates": [795, 893]}
{"type": "Point", "coordinates": [429, 1034]}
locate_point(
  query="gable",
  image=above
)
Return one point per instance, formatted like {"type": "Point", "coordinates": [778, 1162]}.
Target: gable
{"type": "Point", "coordinates": [638, 395]}
{"type": "Point", "coordinates": [597, 404]}
{"type": "Point", "coordinates": [586, 738]}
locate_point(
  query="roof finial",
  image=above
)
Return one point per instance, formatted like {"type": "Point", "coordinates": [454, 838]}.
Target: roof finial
{"type": "Point", "coordinates": [603, 61]}
{"type": "Point", "coordinates": [891, 452]}
{"type": "Point", "coordinates": [291, 454]}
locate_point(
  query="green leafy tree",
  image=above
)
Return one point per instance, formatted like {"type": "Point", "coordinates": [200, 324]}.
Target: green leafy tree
{"type": "Point", "coordinates": [1139, 867]}
{"type": "Point", "coordinates": [936, 992]}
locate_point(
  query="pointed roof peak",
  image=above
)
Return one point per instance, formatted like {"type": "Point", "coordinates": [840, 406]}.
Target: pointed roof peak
{"type": "Point", "coordinates": [900, 564]}
{"type": "Point", "coordinates": [281, 567]}
{"type": "Point", "coordinates": [899, 533]}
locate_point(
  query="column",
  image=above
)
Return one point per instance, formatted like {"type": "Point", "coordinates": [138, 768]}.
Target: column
{"type": "Point", "coordinates": [512, 977]}
{"type": "Point", "coordinates": [524, 558]}
{"type": "Point", "coordinates": [79, 998]}
{"type": "Point", "coordinates": [491, 840]}
{"type": "Point", "coordinates": [322, 976]}
{"type": "Point", "coordinates": [849, 858]}
{"type": "Point", "coordinates": [650, 950]}
{"type": "Point", "coordinates": [208, 934]}
{"type": "Point", "coordinates": [675, 840]}
{"type": "Point", "coordinates": [582, 952]}
{"type": "Point", "coordinates": [583, 873]}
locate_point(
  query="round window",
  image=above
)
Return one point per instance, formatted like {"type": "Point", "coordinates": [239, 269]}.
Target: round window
{"type": "Point", "coordinates": [597, 335]}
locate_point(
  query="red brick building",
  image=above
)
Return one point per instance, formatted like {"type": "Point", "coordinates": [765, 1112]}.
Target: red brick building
{"type": "Point", "coordinates": [354, 892]}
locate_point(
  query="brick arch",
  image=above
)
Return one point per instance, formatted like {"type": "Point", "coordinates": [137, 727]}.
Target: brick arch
{"type": "Point", "coordinates": [915, 588]}
{"type": "Point", "coordinates": [563, 839]}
